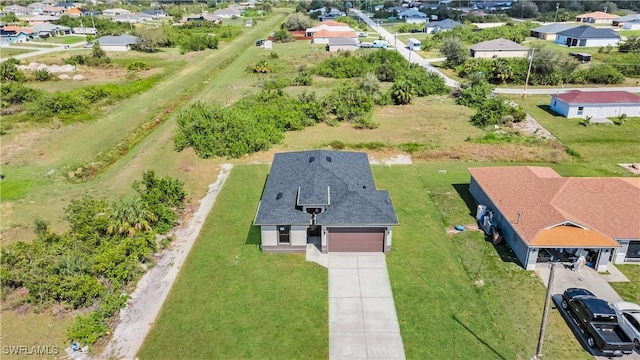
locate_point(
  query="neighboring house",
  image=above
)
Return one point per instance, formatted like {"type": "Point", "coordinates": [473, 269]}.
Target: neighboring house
{"type": "Point", "coordinates": [75, 12]}
{"type": "Point", "coordinates": [534, 208]}
{"type": "Point", "coordinates": [84, 30]}
{"type": "Point", "coordinates": [632, 25]}
{"type": "Point", "coordinates": [326, 17]}
{"type": "Point", "coordinates": [41, 19]}
{"type": "Point", "coordinates": [227, 13]}
{"type": "Point", "coordinates": [342, 43]}
{"type": "Point", "coordinates": [117, 43]}
{"type": "Point", "coordinates": [66, 5]}
{"type": "Point", "coordinates": [132, 18]}
{"type": "Point", "coordinates": [18, 10]}
{"type": "Point", "coordinates": [323, 36]}
{"type": "Point", "coordinates": [329, 25]}
{"type": "Point", "coordinates": [587, 36]}
{"type": "Point", "coordinates": [549, 31]}
{"type": "Point", "coordinates": [15, 34]}
{"type": "Point", "coordinates": [623, 19]}
{"type": "Point", "coordinates": [498, 48]}
{"type": "Point", "coordinates": [114, 12]}
{"type": "Point", "coordinates": [325, 198]}
{"type": "Point", "coordinates": [596, 17]}
{"type": "Point", "coordinates": [413, 16]}
{"type": "Point", "coordinates": [156, 13]}
{"type": "Point", "coordinates": [54, 10]}
{"type": "Point", "coordinates": [443, 25]}
{"type": "Point", "coordinates": [37, 8]}
{"type": "Point", "coordinates": [596, 104]}
{"type": "Point", "coordinates": [48, 30]}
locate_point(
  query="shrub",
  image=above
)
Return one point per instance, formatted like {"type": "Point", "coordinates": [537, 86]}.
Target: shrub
{"type": "Point", "coordinates": [475, 95]}
{"type": "Point", "coordinates": [598, 74]}
{"type": "Point", "coordinates": [138, 66]}
{"type": "Point", "coordinates": [58, 103]}
{"type": "Point", "coordinates": [76, 60]}
{"type": "Point", "coordinates": [454, 50]}
{"type": "Point", "coordinates": [263, 66]}
{"type": "Point", "coordinates": [348, 102]}
{"type": "Point", "coordinates": [94, 93]}
{"type": "Point", "coordinates": [9, 71]}
{"type": "Point", "coordinates": [424, 82]}
{"type": "Point", "coordinates": [401, 92]}
{"type": "Point", "coordinates": [197, 42]}
{"type": "Point", "coordinates": [43, 75]}
{"type": "Point", "coordinates": [620, 120]}
{"type": "Point", "coordinates": [303, 79]}
{"type": "Point", "coordinates": [275, 83]}
{"type": "Point", "coordinates": [17, 93]}
{"type": "Point", "coordinates": [283, 36]}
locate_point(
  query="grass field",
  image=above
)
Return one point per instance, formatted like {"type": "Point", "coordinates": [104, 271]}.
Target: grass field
{"type": "Point", "coordinates": [434, 279]}
{"type": "Point", "coordinates": [9, 52]}
{"type": "Point", "coordinates": [264, 306]}
{"type": "Point", "coordinates": [600, 147]}
{"type": "Point", "coordinates": [629, 291]}
{"type": "Point", "coordinates": [66, 40]}
{"type": "Point", "coordinates": [629, 33]}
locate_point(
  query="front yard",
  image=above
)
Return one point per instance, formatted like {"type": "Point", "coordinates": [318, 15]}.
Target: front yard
{"type": "Point", "coordinates": [455, 296]}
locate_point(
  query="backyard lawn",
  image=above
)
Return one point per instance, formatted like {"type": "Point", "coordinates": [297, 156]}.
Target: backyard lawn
{"type": "Point", "coordinates": [71, 39]}
{"type": "Point", "coordinates": [9, 52]}
{"type": "Point", "coordinates": [629, 291]}
{"type": "Point", "coordinates": [264, 306]}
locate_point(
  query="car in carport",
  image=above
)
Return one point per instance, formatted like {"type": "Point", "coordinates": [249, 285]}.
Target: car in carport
{"type": "Point", "coordinates": [629, 318]}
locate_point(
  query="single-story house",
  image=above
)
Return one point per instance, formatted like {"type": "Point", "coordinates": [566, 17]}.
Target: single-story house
{"type": "Point", "coordinates": [227, 13]}
{"type": "Point", "coordinates": [443, 25]}
{"type": "Point", "coordinates": [536, 211]}
{"type": "Point", "coordinates": [133, 18]}
{"type": "Point", "coordinates": [37, 8]}
{"type": "Point", "coordinates": [342, 43]}
{"type": "Point", "coordinates": [498, 48]}
{"type": "Point", "coordinates": [15, 34]}
{"type": "Point", "coordinates": [323, 36]}
{"type": "Point", "coordinates": [85, 30]}
{"type": "Point", "coordinates": [326, 17]}
{"type": "Point", "coordinates": [632, 25]}
{"type": "Point", "coordinates": [325, 198]}
{"type": "Point", "coordinates": [585, 35]}
{"type": "Point", "coordinates": [41, 19]}
{"type": "Point", "coordinates": [54, 10]}
{"type": "Point", "coordinates": [597, 104]}
{"type": "Point", "coordinates": [18, 10]}
{"type": "Point", "coordinates": [329, 25]}
{"type": "Point", "coordinates": [619, 22]}
{"type": "Point", "coordinates": [114, 12]}
{"type": "Point", "coordinates": [596, 17]}
{"type": "Point", "coordinates": [117, 43]}
{"type": "Point", "coordinates": [49, 30]}
{"type": "Point", "coordinates": [66, 5]}
{"type": "Point", "coordinates": [549, 31]}
{"type": "Point", "coordinates": [75, 12]}
{"type": "Point", "coordinates": [413, 16]}
{"type": "Point", "coordinates": [156, 13]}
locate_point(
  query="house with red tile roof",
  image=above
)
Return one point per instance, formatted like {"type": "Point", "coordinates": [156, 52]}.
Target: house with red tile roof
{"type": "Point", "coordinates": [322, 32]}
{"type": "Point", "coordinates": [323, 36]}
{"type": "Point", "coordinates": [536, 211]}
{"type": "Point", "coordinates": [596, 17]}
{"type": "Point", "coordinates": [596, 104]}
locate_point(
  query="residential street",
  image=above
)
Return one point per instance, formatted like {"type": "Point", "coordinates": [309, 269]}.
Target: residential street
{"type": "Point", "coordinates": [413, 57]}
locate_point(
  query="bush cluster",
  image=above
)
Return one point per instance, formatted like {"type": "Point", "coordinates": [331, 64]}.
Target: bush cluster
{"type": "Point", "coordinates": [97, 58]}
{"type": "Point", "coordinates": [107, 247]}
{"type": "Point", "coordinates": [491, 110]}
{"type": "Point", "coordinates": [197, 42]}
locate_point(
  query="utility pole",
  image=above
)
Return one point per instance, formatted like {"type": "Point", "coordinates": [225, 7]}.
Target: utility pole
{"type": "Point", "coordinates": [521, 11]}
{"type": "Point", "coordinates": [545, 312]}
{"type": "Point", "coordinates": [556, 17]}
{"type": "Point", "coordinates": [605, 16]}
{"type": "Point", "coordinates": [526, 82]}
{"type": "Point", "coordinates": [395, 41]}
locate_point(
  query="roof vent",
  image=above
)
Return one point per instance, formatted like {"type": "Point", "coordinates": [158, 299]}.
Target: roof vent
{"type": "Point", "coordinates": [364, 186]}
{"type": "Point", "coordinates": [312, 159]}
{"type": "Point", "coordinates": [328, 158]}
{"type": "Point", "coordinates": [279, 196]}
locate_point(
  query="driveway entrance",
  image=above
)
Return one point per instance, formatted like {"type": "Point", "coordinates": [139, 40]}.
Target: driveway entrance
{"type": "Point", "coordinates": [362, 315]}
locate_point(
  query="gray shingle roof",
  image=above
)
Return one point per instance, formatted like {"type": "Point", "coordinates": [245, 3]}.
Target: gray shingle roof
{"type": "Point", "coordinates": [588, 32]}
{"type": "Point", "coordinates": [342, 179]}
{"type": "Point", "coordinates": [446, 24]}
{"type": "Point", "coordinates": [118, 40]}
{"type": "Point", "coordinates": [342, 41]}
{"type": "Point", "coordinates": [498, 44]}
{"type": "Point", "coordinates": [553, 28]}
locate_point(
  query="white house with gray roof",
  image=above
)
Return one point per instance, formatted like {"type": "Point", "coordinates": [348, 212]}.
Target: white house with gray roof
{"type": "Point", "coordinates": [443, 25]}
{"type": "Point", "coordinates": [325, 198]}
{"type": "Point", "coordinates": [586, 36]}
{"type": "Point", "coordinates": [498, 48]}
{"type": "Point", "coordinates": [117, 43]}
{"type": "Point", "coordinates": [549, 31]}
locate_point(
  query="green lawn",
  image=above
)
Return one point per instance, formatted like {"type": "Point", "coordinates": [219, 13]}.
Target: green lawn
{"type": "Point", "coordinates": [69, 39]}
{"type": "Point", "coordinates": [629, 33]}
{"type": "Point", "coordinates": [9, 52]}
{"type": "Point", "coordinates": [629, 291]}
{"type": "Point", "coordinates": [600, 146]}
{"type": "Point", "coordinates": [267, 306]}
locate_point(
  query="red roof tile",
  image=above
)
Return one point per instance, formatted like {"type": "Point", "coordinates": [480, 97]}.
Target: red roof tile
{"type": "Point", "coordinates": [334, 34]}
{"type": "Point", "coordinates": [576, 97]}
{"type": "Point", "coordinates": [535, 199]}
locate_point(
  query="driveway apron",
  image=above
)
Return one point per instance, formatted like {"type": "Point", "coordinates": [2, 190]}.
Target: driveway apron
{"type": "Point", "coordinates": [362, 315]}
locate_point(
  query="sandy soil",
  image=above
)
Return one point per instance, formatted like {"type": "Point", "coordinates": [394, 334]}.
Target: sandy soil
{"type": "Point", "coordinates": [136, 318]}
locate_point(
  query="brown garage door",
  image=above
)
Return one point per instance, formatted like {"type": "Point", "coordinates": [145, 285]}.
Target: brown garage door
{"type": "Point", "coordinates": [356, 240]}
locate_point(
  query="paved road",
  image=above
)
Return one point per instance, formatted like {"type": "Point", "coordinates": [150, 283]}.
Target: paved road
{"type": "Point", "coordinates": [363, 323]}
{"type": "Point", "coordinates": [413, 57]}
{"type": "Point", "coordinates": [42, 51]}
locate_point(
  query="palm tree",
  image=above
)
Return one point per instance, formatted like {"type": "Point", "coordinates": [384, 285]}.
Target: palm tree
{"type": "Point", "coordinates": [401, 92]}
{"type": "Point", "coordinates": [131, 215]}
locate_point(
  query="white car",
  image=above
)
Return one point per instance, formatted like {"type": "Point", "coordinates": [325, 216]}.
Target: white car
{"type": "Point", "coordinates": [629, 319]}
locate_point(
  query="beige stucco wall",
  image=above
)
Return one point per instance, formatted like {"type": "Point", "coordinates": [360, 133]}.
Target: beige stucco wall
{"type": "Point", "coordinates": [333, 48]}
{"type": "Point", "coordinates": [298, 235]}
{"type": "Point", "coordinates": [483, 54]}
{"type": "Point", "coordinates": [269, 235]}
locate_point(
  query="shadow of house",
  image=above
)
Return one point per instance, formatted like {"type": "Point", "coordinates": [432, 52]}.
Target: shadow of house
{"type": "Point", "coordinates": [253, 236]}
{"type": "Point", "coordinates": [463, 191]}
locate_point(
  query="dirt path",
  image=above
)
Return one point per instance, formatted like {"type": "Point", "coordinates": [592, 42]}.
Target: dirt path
{"type": "Point", "coordinates": [146, 301]}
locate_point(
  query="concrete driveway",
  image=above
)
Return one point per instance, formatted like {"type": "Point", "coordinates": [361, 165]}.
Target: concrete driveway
{"type": "Point", "coordinates": [362, 315]}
